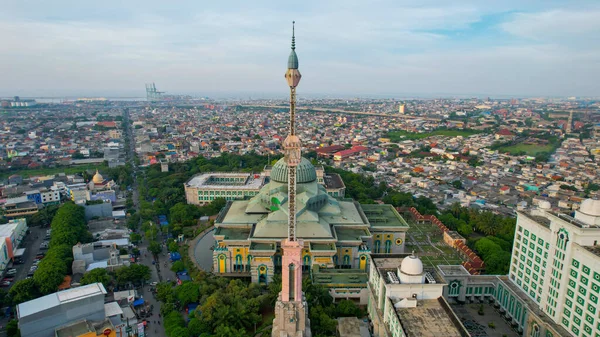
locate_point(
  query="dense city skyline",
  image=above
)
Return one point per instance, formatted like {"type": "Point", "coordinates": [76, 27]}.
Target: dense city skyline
{"type": "Point", "coordinates": [542, 48]}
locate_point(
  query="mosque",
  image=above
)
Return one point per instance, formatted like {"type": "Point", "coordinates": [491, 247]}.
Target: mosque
{"type": "Point", "coordinates": [328, 233]}
{"type": "Point", "coordinates": [338, 233]}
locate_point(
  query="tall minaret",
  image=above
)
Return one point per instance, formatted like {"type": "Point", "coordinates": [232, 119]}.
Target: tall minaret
{"type": "Point", "coordinates": [291, 311]}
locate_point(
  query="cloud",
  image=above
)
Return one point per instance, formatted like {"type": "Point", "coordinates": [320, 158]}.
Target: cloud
{"type": "Point", "coordinates": [556, 25]}
{"type": "Point", "coordinates": [345, 47]}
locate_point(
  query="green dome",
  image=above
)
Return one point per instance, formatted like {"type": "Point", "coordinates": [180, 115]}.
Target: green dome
{"type": "Point", "coordinates": [293, 60]}
{"type": "Point", "coordinates": [305, 172]}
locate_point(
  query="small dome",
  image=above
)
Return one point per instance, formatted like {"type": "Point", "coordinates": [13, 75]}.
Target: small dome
{"type": "Point", "coordinates": [544, 204]}
{"type": "Point", "coordinates": [411, 265]}
{"type": "Point", "coordinates": [305, 172]}
{"type": "Point", "coordinates": [98, 178]}
{"type": "Point", "coordinates": [590, 207]}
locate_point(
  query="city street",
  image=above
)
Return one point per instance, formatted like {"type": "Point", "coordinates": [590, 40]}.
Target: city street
{"type": "Point", "coordinates": [159, 273]}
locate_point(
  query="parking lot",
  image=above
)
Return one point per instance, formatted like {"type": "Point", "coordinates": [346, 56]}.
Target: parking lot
{"type": "Point", "coordinates": [31, 243]}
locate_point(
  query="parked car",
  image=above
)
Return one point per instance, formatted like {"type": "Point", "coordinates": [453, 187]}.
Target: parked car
{"type": "Point", "coordinates": [18, 261]}
{"type": "Point", "coordinates": [12, 271]}
{"type": "Point", "coordinates": [5, 283]}
{"type": "Point", "coordinates": [9, 279]}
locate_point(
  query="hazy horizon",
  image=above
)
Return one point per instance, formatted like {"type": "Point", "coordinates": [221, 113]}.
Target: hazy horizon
{"type": "Point", "coordinates": [541, 48]}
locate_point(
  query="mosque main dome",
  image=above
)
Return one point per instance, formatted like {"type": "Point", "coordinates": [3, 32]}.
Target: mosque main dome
{"type": "Point", "coordinates": [305, 172]}
{"type": "Point", "coordinates": [98, 178]}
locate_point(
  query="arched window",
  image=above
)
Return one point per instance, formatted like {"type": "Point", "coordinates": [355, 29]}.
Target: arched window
{"type": "Point", "coordinates": [388, 246]}
{"type": "Point", "coordinates": [346, 263]}
{"type": "Point", "coordinates": [306, 263]}
{"type": "Point", "coordinates": [292, 280]}
{"type": "Point", "coordinates": [239, 265]}
{"type": "Point", "coordinates": [249, 264]}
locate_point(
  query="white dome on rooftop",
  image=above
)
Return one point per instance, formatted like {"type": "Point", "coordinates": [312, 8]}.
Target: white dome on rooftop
{"type": "Point", "coordinates": [411, 265]}
{"type": "Point", "coordinates": [544, 204]}
{"type": "Point", "coordinates": [590, 207]}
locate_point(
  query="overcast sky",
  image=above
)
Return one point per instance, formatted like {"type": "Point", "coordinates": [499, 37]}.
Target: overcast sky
{"type": "Point", "coordinates": [345, 48]}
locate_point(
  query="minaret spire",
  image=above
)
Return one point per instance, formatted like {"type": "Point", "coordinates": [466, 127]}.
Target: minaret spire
{"type": "Point", "coordinates": [293, 35]}
{"type": "Point", "coordinates": [292, 144]}
{"type": "Point", "coordinates": [291, 316]}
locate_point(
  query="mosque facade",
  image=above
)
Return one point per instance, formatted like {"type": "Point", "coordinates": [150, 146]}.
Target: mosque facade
{"type": "Point", "coordinates": [337, 233]}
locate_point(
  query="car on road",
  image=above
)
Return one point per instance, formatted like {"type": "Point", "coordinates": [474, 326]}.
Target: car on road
{"type": "Point", "coordinates": [5, 283]}
{"type": "Point", "coordinates": [154, 284]}
{"type": "Point", "coordinates": [9, 279]}
{"type": "Point", "coordinates": [18, 261]}
{"type": "Point", "coordinates": [11, 271]}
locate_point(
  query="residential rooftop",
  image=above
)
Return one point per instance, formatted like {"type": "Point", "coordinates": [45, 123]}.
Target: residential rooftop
{"type": "Point", "coordinates": [55, 299]}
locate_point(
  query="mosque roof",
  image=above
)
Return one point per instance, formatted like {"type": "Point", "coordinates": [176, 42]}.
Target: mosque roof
{"type": "Point", "coordinates": [305, 172]}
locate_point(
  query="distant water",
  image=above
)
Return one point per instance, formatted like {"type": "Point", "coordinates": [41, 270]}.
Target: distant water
{"type": "Point", "coordinates": [70, 99]}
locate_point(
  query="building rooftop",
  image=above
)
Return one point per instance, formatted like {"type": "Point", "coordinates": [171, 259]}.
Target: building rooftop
{"type": "Point", "coordinates": [210, 180]}
{"type": "Point", "coordinates": [593, 249]}
{"type": "Point", "coordinates": [457, 270]}
{"type": "Point", "coordinates": [7, 229]}
{"type": "Point", "coordinates": [429, 319]}
{"type": "Point", "coordinates": [333, 181]}
{"type": "Point", "coordinates": [229, 233]}
{"type": "Point", "coordinates": [340, 277]}
{"type": "Point", "coordinates": [112, 309]}
{"type": "Point", "coordinates": [83, 327]}
{"type": "Point", "coordinates": [351, 234]}
{"type": "Point", "coordinates": [383, 216]}
{"type": "Point", "coordinates": [55, 299]}
{"type": "Point", "coordinates": [352, 327]}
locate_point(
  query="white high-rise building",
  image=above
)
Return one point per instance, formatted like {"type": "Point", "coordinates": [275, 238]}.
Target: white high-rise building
{"type": "Point", "coordinates": [556, 262]}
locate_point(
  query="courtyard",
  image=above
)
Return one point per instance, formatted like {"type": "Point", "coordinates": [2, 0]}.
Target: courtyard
{"type": "Point", "coordinates": [426, 240]}
{"type": "Point", "coordinates": [490, 324]}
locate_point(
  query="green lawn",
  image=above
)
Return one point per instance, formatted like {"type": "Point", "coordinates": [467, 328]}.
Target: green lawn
{"type": "Point", "coordinates": [529, 149]}
{"type": "Point", "coordinates": [55, 170]}
{"type": "Point", "coordinates": [431, 255]}
{"type": "Point", "coordinates": [399, 135]}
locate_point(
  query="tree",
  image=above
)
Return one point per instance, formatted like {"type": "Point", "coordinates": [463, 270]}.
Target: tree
{"type": "Point", "coordinates": [347, 308]}
{"type": "Point", "coordinates": [457, 184]}
{"type": "Point", "coordinates": [182, 212]}
{"type": "Point", "coordinates": [12, 328]}
{"type": "Point", "coordinates": [173, 246]}
{"type": "Point", "coordinates": [178, 266]}
{"type": "Point", "coordinates": [135, 273]}
{"type": "Point", "coordinates": [135, 238]}
{"type": "Point", "coordinates": [155, 248]}
{"type": "Point", "coordinates": [96, 275]}
{"type": "Point", "coordinates": [23, 291]}
{"type": "Point", "coordinates": [50, 274]}
{"type": "Point", "coordinates": [188, 293]}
